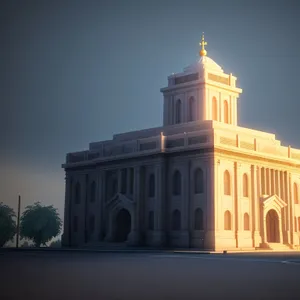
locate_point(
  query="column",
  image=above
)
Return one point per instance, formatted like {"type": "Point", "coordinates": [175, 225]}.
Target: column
{"type": "Point", "coordinates": [66, 238]}
{"type": "Point", "coordinates": [292, 207]}
{"type": "Point", "coordinates": [238, 182]}
{"type": "Point", "coordinates": [231, 119]}
{"type": "Point", "coordinates": [159, 236]}
{"type": "Point", "coordinates": [272, 183]}
{"type": "Point", "coordinates": [165, 112]}
{"type": "Point", "coordinates": [287, 198]}
{"type": "Point", "coordinates": [82, 210]}
{"type": "Point", "coordinates": [277, 183]}
{"type": "Point", "coordinates": [119, 174]}
{"type": "Point", "coordinates": [262, 182]}
{"type": "Point", "coordinates": [128, 174]}
{"type": "Point", "coordinates": [259, 217]}
{"type": "Point", "coordinates": [255, 184]}
{"type": "Point", "coordinates": [217, 195]}
{"type": "Point", "coordinates": [265, 227]}
{"type": "Point", "coordinates": [204, 102]}
{"type": "Point", "coordinates": [99, 206]}
{"type": "Point", "coordinates": [185, 194]}
{"type": "Point", "coordinates": [210, 241]}
{"type": "Point", "coordinates": [134, 236]}
{"type": "Point", "coordinates": [268, 181]}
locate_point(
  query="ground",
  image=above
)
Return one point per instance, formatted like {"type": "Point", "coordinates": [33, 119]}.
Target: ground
{"type": "Point", "coordinates": [145, 275]}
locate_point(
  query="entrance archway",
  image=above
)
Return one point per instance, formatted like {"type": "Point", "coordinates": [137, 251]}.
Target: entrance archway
{"type": "Point", "coordinates": [123, 225]}
{"type": "Point", "coordinates": [272, 224]}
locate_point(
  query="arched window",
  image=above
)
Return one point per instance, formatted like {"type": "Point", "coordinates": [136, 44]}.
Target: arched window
{"type": "Point", "coordinates": [227, 189]}
{"type": "Point", "coordinates": [226, 111]}
{"type": "Point", "coordinates": [92, 223]}
{"type": "Point", "coordinates": [199, 181]}
{"type": "Point", "coordinates": [198, 219]}
{"type": "Point", "coordinates": [246, 222]}
{"type": "Point", "coordinates": [151, 220]}
{"type": "Point", "coordinates": [151, 191]}
{"type": "Point", "coordinates": [295, 193]}
{"type": "Point", "coordinates": [192, 109]}
{"type": "Point", "coordinates": [177, 183]}
{"type": "Point", "coordinates": [245, 186]}
{"type": "Point", "coordinates": [93, 192]}
{"type": "Point", "coordinates": [214, 109]}
{"type": "Point", "coordinates": [227, 220]}
{"type": "Point", "coordinates": [178, 112]}
{"type": "Point", "coordinates": [298, 223]}
{"type": "Point", "coordinates": [77, 193]}
{"type": "Point", "coordinates": [176, 220]}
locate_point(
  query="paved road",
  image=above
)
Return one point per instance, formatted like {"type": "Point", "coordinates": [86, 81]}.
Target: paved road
{"type": "Point", "coordinates": [56, 275]}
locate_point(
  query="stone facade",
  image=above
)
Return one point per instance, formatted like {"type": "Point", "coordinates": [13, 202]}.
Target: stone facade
{"type": "Point", "coordinates": [200, 180]}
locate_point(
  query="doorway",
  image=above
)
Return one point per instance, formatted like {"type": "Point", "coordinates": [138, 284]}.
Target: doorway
{"type": "Point", "coordinates": [123, 225]}
{"type": "Point", "coordinates": [272, 224]}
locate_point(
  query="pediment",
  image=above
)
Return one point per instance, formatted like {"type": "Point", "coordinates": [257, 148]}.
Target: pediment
{"type": "Point", "coordinates": [273, 201]}
{"type": "Point", "coordinates": [119, 200]}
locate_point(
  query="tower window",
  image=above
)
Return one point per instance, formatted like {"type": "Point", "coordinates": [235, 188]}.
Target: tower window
{"type": "Point", "coordinates": [245, 186]}
{"type": "Point", "coordinates": [227, 189]}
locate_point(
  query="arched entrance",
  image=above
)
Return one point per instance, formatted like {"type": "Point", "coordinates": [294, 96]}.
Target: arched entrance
{"type": "Point", "coordinates": [123, 225]}
{"type": "Point", "coordinates": [272, 224]}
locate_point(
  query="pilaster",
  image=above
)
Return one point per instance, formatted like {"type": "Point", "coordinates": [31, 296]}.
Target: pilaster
{"type": "Point", "coordinates": [238, 185]}
{"type": "Point", "coordinates": [66, 238]}
{"type": "Point", "coordinates": [135, 236]}
{"type": "Point", "coordinates": [119, 180]}
{"type": "Point", "coordinates": [217, 194]}
{"type": "Point", "coordinates": [204, 104]}
{"type": "Point", "coordinates": [292, 207]}
{"type": "Point", "coordinates": [288, 213]}
{"type": "Point", "coordinates": [99, 213]}
{"type": "Point", "coordinates": [255, 184]}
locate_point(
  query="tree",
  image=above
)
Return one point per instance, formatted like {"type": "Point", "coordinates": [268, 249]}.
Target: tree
{"type": "Point", "coordinates": [55, 244]}
{"type": "Point", "coordinates": [7, 224]}
{"type": "Point", "coordinates": [40, 223]}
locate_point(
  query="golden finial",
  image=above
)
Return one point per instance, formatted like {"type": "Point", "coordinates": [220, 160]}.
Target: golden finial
{"type": "Point", "coordinates": [202, 44]}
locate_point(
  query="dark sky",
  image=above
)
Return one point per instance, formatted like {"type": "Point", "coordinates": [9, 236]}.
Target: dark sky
{"type": "Point", "coordinates": [72, 72]}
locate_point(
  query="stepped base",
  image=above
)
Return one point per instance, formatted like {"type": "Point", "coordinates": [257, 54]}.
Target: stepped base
{"type": "Point", "coordinates": [275, 247]}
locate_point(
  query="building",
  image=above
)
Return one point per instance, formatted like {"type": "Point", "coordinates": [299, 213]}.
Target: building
{"type": "Point", "coordinates": [200, 180]}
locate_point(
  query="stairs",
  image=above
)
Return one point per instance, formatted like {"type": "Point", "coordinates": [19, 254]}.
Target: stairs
{"type": "Point", "coordinates": [278, 247]}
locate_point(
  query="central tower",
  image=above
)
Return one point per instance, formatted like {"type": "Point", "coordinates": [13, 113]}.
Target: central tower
{"type": "Point", "coordinates": [201, 92]}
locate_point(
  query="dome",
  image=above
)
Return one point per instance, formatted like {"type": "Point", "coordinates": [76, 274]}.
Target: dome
{"type": "Point", "coordinates": [204, 63]}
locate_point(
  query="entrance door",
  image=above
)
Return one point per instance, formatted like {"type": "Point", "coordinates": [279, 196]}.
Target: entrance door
{"type": "Point", "coordinates": [123, 225]}
{"type": "Point", "coordinates": [272, 223]}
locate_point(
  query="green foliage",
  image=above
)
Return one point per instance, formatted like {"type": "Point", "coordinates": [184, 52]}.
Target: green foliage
{"type": "Point", "coordinates": [40, 223]}
{"type": "Point", "coordinates": [27, 245]}
{"type": "Point", "coordinates": [7, 224]}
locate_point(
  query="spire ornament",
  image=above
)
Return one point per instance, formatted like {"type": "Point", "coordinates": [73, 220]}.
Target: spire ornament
{"type": "Point", "coordinates": [202, 52]}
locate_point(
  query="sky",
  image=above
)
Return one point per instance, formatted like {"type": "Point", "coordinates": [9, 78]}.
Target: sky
{"type": "Point", "coordinates": [75, 72]}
